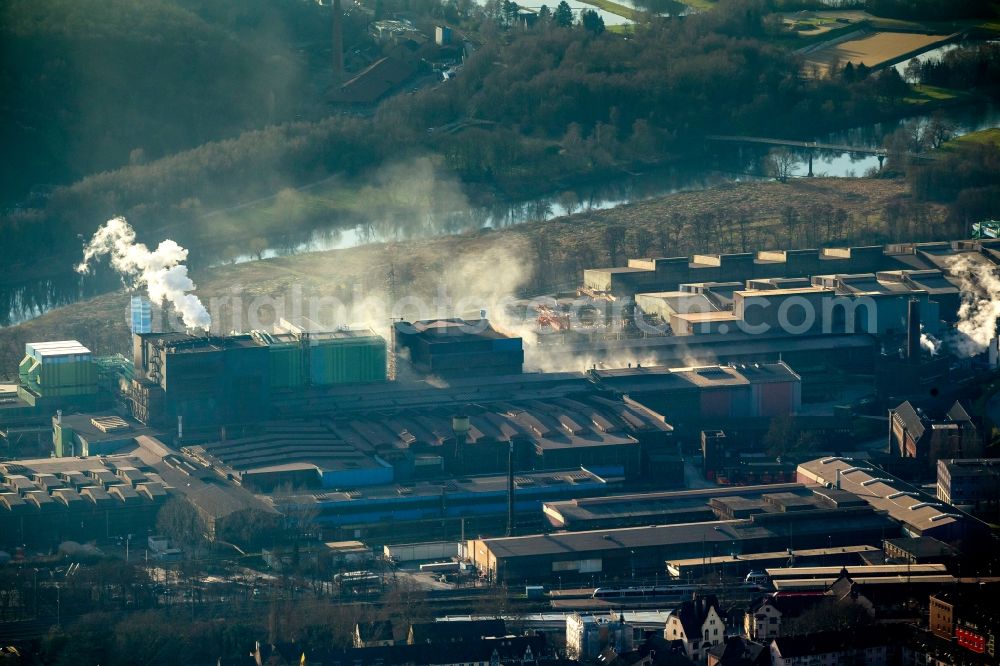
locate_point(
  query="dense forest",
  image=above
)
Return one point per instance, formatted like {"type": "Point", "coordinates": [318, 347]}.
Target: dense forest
{"type": "Point", "coordinates": [929, 10]}
{"type": "Point", "coordinates": [93, 85]}
{"type": "Point", "coordinates": [964, 174]}
{"type": "Point", "coordinates": [549, 100]}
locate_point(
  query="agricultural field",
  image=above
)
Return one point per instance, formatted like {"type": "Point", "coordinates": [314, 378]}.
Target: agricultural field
{"type": "Point", "coordinates": [872, 50]}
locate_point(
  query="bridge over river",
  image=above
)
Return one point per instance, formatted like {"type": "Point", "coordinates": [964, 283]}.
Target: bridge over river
{"type": "Point", "coordinates": [811, 146]}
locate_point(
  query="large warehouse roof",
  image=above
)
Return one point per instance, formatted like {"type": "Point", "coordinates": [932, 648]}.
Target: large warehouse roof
{"type": "Point", "coordinates": [597, 541]}
{"type": "Point", "coordinates": [761, 526]}
{"type": "Point", "coordinates": [359, 439]}
{"type": "Point", "coordinates": [657, 506]}
{"type": "Point", "coordinates": [918, 511]}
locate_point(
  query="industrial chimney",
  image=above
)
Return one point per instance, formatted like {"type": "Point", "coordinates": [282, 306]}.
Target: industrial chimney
{"type": "Point", "coordinates": [338, 42]}
{"type": "Point", "coordinates": [913, 331]}
{"type": "Point", "coordinates": [510, 489]}
{"type": "Point", "coordinates": [460, 424]}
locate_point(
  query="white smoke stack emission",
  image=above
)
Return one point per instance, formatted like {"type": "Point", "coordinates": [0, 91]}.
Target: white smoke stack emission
{"type": "Point", "coordinates": [980, 309]}
{"type": "Point", "coordinates": [161, 271]}
{"type": "Point", "coordinates": [929, 343]}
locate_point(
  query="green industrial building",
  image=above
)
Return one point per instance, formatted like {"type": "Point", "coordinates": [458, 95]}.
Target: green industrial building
{"type": "Point", "coordinates": [57, 372]}
{"type": "Point", "coordinates": [326, 358]}
{"type": "Point", "coordinates": [210, 381]}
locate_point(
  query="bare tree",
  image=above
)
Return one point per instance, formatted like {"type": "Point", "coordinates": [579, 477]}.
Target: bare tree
{"type": "Point", "coordinates": [614, 238]}
{"type": "Point", "coordinates": [639, 240]}
{"type": "Point", "coordinates": [780, 164]}
{"type": "Point", "coordinates": [179, 521]}
{"type": "Point", "coordinates": [936, 132]}
{"type": "Point", "coordinates": [675, 223]}
{"type": "Point", "coordinates": [405, 604]}
{"type": "Point", "coordinates": [743, 224]}
{"type": "Point", "coordinates": [258, 246]}
{"type": "Point", "coordinates": [790, 217]}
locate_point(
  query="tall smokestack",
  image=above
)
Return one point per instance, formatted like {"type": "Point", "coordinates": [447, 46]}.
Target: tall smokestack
{"type": "Point", "coordinates": [510, 489]}
{"type": "Point", "coordinates": [913, 331]}
{"type": "Point", "coordinates": [338, 42]}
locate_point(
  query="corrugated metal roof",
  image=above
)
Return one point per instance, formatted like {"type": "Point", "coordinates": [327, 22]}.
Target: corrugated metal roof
{"type": "Point", "coordinates": [57, 348]}
{"type": "Point", "coordinates": [903, 502]}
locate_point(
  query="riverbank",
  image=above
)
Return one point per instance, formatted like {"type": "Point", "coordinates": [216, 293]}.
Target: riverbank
{"type": "Point", "coordinates": [527, 259]}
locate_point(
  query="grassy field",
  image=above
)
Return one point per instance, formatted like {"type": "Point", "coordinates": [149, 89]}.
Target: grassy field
{"type": "Point", "coordinates": [872, 50]}
{"type": "Point", "coordinates": [634, 15]}
{"type": "Point", "coordinates": [922, 94]}
{"type": "Point", "coordinates": [526, 259]}
{"type": "Point", "coordinates": [982, 137]}
{"type": "Point", "coordinates": [614, 8]}
{"type": "Point", "coordinates": [811, 26]}
{"type": "Point", "coordinates": [992, 27]}
{"type": "Point", "coordinates": [700, 5]}
{"type": "Point", "coordinates": [795, 39]}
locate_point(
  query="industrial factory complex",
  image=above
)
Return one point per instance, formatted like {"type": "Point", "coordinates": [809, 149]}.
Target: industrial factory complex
{"type": "Point", "coordinates": [745, 413]}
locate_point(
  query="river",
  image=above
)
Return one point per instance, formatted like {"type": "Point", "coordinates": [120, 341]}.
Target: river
{"type": "Point", "coordinates": [20, 302]}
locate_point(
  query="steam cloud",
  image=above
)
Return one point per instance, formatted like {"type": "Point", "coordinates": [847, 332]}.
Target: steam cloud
{"type": "Point", "coordinates": [161, 271]}
{"type": "Point", "coordinates": [492, 280]}
{"type": "Point", "coordinates": [980, 309]}
{"type": "Point", "coordinates": [930, 344]}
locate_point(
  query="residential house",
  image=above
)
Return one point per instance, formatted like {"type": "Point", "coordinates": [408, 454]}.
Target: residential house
{"type": "Point", "coordinates": [969, 617]}
{"type": "Point", "coordinates": [871, 646]}
{"type": "Point", "coordinates": [653, 652]}
{"type": "Point", "coordinates": [491, 651]}
{"type": "Point", "coordinates": [764, 618]}
{"type": "Point", "coordinates": [941, 617]}
{"type": "Point", "coordinates": [588, 636]}
{"type": "Point", "coordinates": [739, 651]}
{"type": "Point", "coordinates": [373, 634]}
{"type": "Point", "coordinates": [463, 631]}
{"type": "Point", "coordinates": [698, 624]}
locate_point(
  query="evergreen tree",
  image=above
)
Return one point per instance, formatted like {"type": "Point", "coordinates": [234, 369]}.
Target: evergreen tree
{"type": "Point", "coordinates": [563, 15]}
{"type": "Point", "coordinates": [510, 10]}
{"type": "Point", "coordinates": [592, 21]}
{"type": "Point", "coordinates": [849, 74]}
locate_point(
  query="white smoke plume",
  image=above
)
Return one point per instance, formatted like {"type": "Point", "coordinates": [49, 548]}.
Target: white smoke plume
{"type": "Point", "coordinates": [980, 309]}
{"type": "Point", "coordinates": [930, 344]}
{"type": "Point", "coordinates": [161, 271]}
